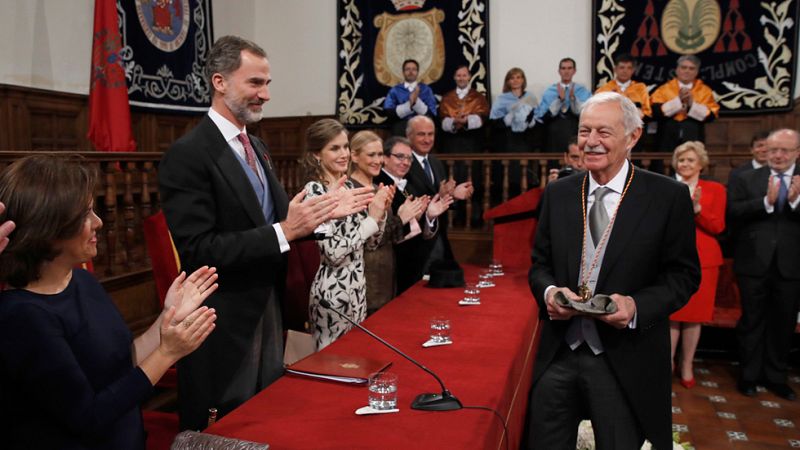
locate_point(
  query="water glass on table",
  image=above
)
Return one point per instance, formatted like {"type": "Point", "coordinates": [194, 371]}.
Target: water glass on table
{"type": "Point", "coordinates": [485, 279]}
{"type": "Point", "coordinates": [472, 293]}
{"type": "Point", "coordinates": [440, 330]}
{"type": "Point", "coordinates": [496, 267]}
{"type": "Point", "coordinates": [383, 391]}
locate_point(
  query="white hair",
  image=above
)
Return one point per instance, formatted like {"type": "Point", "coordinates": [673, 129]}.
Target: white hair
{"type": "Point", "coordinates": [630, 114]}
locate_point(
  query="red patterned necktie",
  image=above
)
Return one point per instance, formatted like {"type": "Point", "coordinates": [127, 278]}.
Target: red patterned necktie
{"type": "Point", "coordinates": [249, 154]}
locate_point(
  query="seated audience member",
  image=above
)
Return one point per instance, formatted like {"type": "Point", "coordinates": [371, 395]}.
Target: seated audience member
{"type": "Point", "coordinates": [683, 106]}
{"type": "Point", "coordinates": [340, 278]}
{"type": "Point", "coordinates": [72, 374]}
{"type": "Point", "coordinates": [366, 150]}
{"type": "Point", "coordinates": [561, 104]}
{"type": "Point", "coordinates": [758, 147]}
{"type": "Point", "coordinates": [763, 206]}
{"type": "Point", "coordinates": [573, 162]}
{"type": "Point", "coordinates": [463, 112]}
{"type": "Point", "coordinates": [708, 199]}
{"type": "Point", "coordinates": [408, 99]}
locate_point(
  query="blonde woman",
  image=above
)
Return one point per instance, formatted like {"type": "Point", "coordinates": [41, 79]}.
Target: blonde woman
{"type": "Point", "coordinates": [708, 198]}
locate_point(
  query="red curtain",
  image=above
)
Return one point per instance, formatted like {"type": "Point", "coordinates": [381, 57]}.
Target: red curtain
{"type": "Point", "coordinates": [109, 112]}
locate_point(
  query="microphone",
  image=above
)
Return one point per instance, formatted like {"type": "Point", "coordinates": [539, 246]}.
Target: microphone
{"type": "Point", "coordinates": [425, 402]}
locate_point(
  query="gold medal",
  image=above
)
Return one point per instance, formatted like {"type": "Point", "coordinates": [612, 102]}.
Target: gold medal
{"type": "Point", "coordinates": [584, 293]}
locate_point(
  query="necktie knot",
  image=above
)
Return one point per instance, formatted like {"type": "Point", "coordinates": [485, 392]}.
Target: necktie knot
{"type": "Point", "coordinates": [600, 193]}
{"type": "Point", "coordinates": [249, 154]}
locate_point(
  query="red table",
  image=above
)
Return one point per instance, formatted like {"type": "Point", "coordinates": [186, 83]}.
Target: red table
{"type": "Point", "coordinates": [489, 364]}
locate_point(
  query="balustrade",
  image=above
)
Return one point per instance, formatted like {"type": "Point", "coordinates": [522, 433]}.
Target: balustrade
{"type": "Point", "coordinates": [127, 192]}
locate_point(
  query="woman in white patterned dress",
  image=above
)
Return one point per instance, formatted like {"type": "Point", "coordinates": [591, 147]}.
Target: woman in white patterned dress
{"type": "Point", "coordinates": [340, 279]}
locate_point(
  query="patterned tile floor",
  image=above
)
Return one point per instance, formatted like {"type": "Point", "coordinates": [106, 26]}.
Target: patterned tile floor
{"type": "Point", "coordinates": [714, 415]}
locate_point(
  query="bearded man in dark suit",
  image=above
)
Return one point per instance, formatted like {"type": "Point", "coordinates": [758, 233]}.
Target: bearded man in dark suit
{"type": "Point", "coordinates": [629, 234]}
{"type": "Point", "coordinates": [225, 208]}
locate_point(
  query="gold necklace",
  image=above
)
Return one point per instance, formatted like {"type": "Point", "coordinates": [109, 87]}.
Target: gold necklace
{"type": "Point", "coordinates": [583, 290]}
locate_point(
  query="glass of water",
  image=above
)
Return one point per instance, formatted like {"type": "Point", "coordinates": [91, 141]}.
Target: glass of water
{"type": "Point", "coordinates": [440, 330]}
{"type": "Point", "coordinates": [496, 267]}
{"type": "Point", "coordinates": [383, 391]}
{"type": "Point", "coordinates": [472, 293]}
{"type": "Point", "coordinates": [485, 279]}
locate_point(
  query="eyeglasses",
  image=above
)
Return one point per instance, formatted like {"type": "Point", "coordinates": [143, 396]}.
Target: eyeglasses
{"type": "Point", "coordinates": [401, 157]}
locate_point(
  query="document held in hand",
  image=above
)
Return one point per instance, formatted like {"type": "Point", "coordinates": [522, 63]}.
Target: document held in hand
{"type": "Point", "coordinates": [344, 369]}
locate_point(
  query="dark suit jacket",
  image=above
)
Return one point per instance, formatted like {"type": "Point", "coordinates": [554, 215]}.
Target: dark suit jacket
{"type": "Point", "coordinates": [215, 219]}
{"type": "Point", "coordinates": [412, 253]}
{"type": "Point", "coordinates": [761, 236]}
{"type": "Point", "coordinates": [651, 256]}
{"type": "Point", "coordinates": [739, 170]}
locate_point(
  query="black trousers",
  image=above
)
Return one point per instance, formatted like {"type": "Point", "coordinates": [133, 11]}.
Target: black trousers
{"type": "Point", "coordinates": [764, 332]}
{"type": "Point", "coordinates": [580, 385]}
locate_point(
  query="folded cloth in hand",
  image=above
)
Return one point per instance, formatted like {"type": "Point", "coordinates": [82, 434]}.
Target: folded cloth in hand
{"type": "Point", "coordinates": [599, 304]}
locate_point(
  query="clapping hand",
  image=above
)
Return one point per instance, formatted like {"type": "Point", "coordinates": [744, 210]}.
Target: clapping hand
{"type": "Point", "coordinates": [463, 191]}
{"type": "Point", "coordinates": [794, 189]}
{"type": "Point", "coordinates": [349, 201]}
{"type": "Point", "coordinates": [414, 95]}
{"type": "Point", "coordinates": [377, 207]}
{"type": "Point", "coordinates": [187, 294]}
{"type": "Point", "coordinates": [447, 187]}
{"type": "Point", "coordinates": [772, 189]}
{"type": "Point", "coordinates": [5, 229]}
{"type": "Point", "coordinates": [411, 208]}
{"type": "Point", "coordinates": [438, 206]}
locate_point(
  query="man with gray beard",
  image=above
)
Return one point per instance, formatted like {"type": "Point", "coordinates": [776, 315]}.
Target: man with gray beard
{"type": "Point", "coordinates": [226, 208]}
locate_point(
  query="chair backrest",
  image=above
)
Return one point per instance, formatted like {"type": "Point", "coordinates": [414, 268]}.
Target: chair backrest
{"type": "Point", "coordinates": [163, 255]}
{"type": "Point", "coordinates": [193, 440]}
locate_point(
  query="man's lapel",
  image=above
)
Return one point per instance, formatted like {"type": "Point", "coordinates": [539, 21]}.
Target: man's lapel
{"type": "Point", "coordinates": [572, 222]}
{"type": "Point", "coordinates": [633, 209]}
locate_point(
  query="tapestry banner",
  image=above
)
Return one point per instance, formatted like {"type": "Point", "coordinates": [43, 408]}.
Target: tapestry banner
{"type": "Point", "coordinates": [747, 48]}
{"type": "Point", "coordinates": [376, 36]}
{"type": "Point", "coordinates": [164, 48]}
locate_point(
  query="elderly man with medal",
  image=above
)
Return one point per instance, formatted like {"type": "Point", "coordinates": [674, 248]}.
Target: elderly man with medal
{"type": "Point", "coordinates": [614, 256]}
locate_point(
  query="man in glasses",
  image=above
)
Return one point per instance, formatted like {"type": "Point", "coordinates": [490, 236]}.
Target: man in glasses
{"type": "Point", "coordinates": [763, 205]}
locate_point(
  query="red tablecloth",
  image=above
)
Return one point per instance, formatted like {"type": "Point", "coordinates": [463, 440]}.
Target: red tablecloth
{"type": "Point", "coordinates": [489, 364]}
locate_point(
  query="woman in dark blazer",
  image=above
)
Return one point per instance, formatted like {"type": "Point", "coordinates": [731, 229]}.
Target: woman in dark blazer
{"type": "Point", "coordinates": [72, 374]}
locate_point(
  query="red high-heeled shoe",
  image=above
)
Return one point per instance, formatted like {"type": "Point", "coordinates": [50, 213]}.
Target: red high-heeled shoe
{"type": "Point", "coordinates": [688, 384]}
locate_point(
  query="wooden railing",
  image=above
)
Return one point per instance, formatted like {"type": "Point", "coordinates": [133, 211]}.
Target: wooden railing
{"type": "Point", "coordinates": [128, 192]}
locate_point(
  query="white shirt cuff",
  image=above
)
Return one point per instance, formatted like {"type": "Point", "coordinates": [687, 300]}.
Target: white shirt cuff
{"type": "Point", "coordinates": [794, 204]}
{"type": "Point", "coordinates": [447, 125]}
{"type": "Point", "coordinates": [368, 227]}
{"type": "Point", "coordinates": [576, 106]}
{"type": "Point", "coordinates": [420, 107]}
{"type": "Point", "coordinates": [284, 244]}
{"type": "Point", "coordinates": [671, 107]}
{"type": "Point", "coordinates": [546, 290]}
{"type": "Point", "coordinates": [474, 121]}
{"type": "Point", "coordinates": [632, 323]}
{"type": "Point", "coordinates": [403, 110]}
{"type": "Point", "coordinates": [767, 207]}
{"type": "Point", "coordinates": [698, 111]}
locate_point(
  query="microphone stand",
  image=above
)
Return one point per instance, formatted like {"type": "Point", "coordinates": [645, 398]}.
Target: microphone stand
{"type": "Point", "coordinates": [425, 402]}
